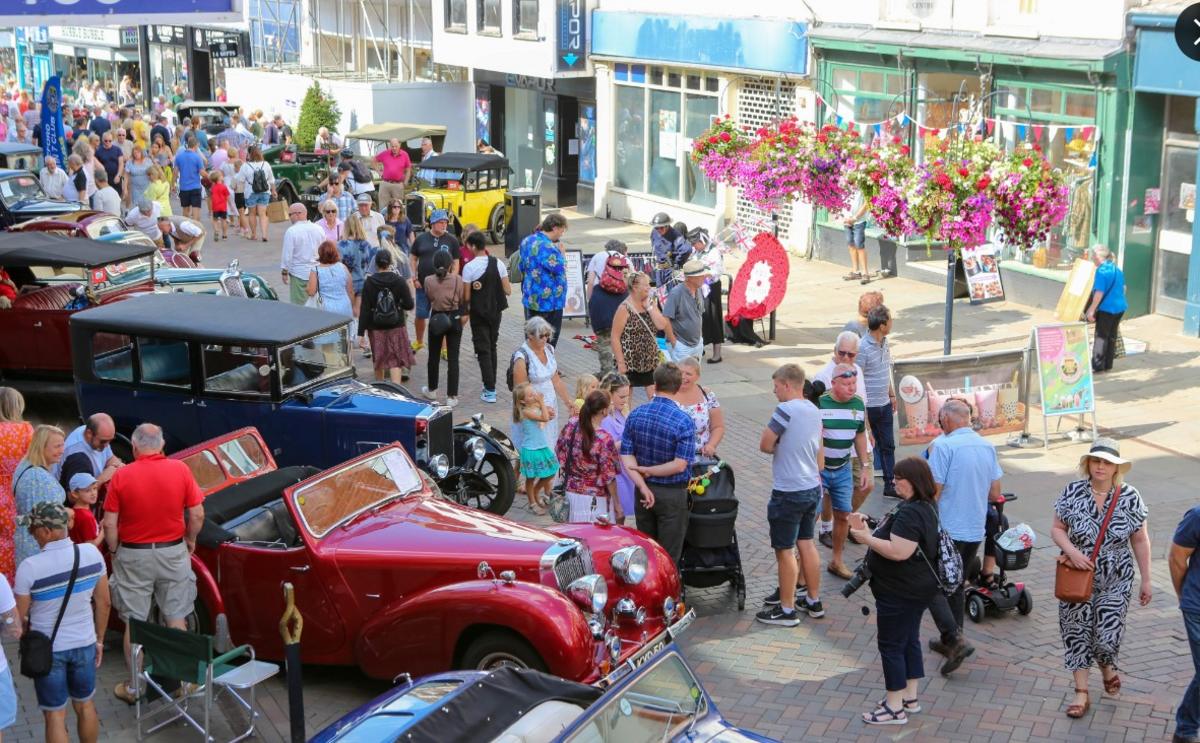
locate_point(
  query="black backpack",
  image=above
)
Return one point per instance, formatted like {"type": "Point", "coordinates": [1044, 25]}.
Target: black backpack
{"type": "Point", "coordinates": [258, 183]}
{"type": "Point", "coordinates": [360, 172]}
{"type": "Point", "coordinates": [386, 314]}
{"type": "Point", "coordinates": [512, 361]}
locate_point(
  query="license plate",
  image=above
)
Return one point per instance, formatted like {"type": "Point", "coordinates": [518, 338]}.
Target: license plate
{"type": "Point", "coordinates": [676, 629]}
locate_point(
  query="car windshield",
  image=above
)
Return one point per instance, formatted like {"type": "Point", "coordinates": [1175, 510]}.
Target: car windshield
{"type": "Point", "coordinates": [323, 357]}
{"type": "Point", "coordinates": [237, 458]}
{"type": "Point", "coordinates": [122, 274]}
{"type": "Point", "coordinates": [100, 226]}
{"type": "Point", "coordinates": [662, 703]}
{"type": "Point", "coordinates": [346, 492]}
{"type": "Point", "coordinates": [20, 188]}
{"type": "Point", "coordinates": [451, 179]}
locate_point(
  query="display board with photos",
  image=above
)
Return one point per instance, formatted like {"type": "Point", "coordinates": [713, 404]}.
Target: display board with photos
{"type": "Point", "coordinates": [989, 383]}
{"type": "Point", "coordinates": [983, 274]}
{"type": "Point", "coordinates": [575, 303]}
{"type": "Point", "coordinates": [1064, 364]}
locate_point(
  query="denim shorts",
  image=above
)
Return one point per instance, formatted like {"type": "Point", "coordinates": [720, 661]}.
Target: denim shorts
{"type": "Point", "coordinates": [423, 309]}
{"type": "Point", "coordinates": [73, 676]}
{"type": "Point", "coordinates": [839, 486]}
{"type": "Point", "coordinates": [258, 199]}
{"type": "Point", "coordinates": [792, 516]}
{"type": "Point", "coordinates": [8, 700]}
{"type": "Point", "coordinates": [856, 235]}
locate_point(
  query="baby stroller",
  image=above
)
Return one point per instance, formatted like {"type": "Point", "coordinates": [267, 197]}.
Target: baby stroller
{"type": "Point", "coordinates": [710, 549]}
{"type": "Point", "coordinates": [1002, 594]}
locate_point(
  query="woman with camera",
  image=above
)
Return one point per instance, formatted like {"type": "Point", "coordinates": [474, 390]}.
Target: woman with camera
{"type": "Point", "coordinates": [904, 584]}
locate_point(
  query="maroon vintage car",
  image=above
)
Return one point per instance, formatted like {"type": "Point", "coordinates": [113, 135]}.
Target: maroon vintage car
{"type": "Point", "coordinates": [83, 223]}
{"type": "Point", "coordinates": [392, 578]}
{"type": "Point", "coordinates": [56, 276]}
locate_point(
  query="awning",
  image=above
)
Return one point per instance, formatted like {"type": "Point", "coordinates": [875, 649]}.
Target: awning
{"type": "Point", "coordinates": [1048, 52]}
{"type": "Point", "coordinates": [104, 55]}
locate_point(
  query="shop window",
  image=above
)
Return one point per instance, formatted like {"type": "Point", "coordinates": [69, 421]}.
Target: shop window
{"type": "Point", "coordinates": [487, 14]}
{"type": "Point", "coordinates": [697, 189]}
{"type": "Point", "coordinates": [630, 137]}
{"type": "Point", "coordinates": [693, 82]}
{"type": "Point", "coordinates": [525, 19]}
{"type": "Point", "coordinates": [664, 143]}
{"type": "Point", "coordinates": [587, 143]}
{"type": "Point", "coordinates": [1181, 117]}
{"type": "Point", "coordinates": [866, 95]}
{"type": "Point", "coordinates": [656, 76]}
{"type": "Point", "coordinates": [943, 100]}
{"type": "Point", "coordinates": [456, 15]}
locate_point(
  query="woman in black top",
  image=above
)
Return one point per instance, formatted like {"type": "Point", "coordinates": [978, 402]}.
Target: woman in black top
{"type": "Point", "coordinates": [391, 352]}
{"type": "Point", "coordinates": [904, 584]}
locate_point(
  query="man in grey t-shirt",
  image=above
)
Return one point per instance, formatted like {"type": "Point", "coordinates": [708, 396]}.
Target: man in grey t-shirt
{"type": "Point", "coordinates": [793, 438]}
{"type": "Point", "coordinates": [685, 309]}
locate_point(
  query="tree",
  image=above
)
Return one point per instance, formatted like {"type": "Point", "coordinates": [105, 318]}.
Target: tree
{"type": "Point", "coordinates": [318, 110]}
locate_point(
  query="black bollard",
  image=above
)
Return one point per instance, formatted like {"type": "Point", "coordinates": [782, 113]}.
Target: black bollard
{"type": "Point", "coordinates": [291, 655]}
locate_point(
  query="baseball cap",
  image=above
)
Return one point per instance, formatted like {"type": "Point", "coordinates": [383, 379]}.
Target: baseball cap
{"type": "Point", "coordinates": [343, 166]}
{"type": "Point", "coordinates": [81, 480]}
{"type": "Point", "coordinates": [439, 215]}
{"type": "Point", "coordinates": [362, 198]}
{"type": "Point", "coordinates": [347, 152]}
{"type": "Point", "coordinates": [47, 514]}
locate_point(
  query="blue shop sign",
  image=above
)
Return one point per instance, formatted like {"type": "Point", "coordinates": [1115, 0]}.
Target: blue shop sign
{"type": "Point", "coordinates": [16, 12]}
{"type": "Point", "coordinates": [1160, 67]}
{"type": "Point", "coordinates": [759, 44]}
{"type": "Point", "coordinates": [572, 36]}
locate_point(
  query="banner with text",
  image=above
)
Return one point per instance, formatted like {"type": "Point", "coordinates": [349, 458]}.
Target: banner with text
{"type": "Point", "coordinates": [1064, 362]}
{"type": "Point", "coordinates": [118, 12]}
{"type": "Point", "coordinates": [990, 383]}
{"type": "Point", "coordinates": [52, 136]}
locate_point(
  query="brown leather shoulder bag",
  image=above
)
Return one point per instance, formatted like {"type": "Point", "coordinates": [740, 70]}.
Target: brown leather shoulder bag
{"type": "Point", "coordinates": [1072, 585]}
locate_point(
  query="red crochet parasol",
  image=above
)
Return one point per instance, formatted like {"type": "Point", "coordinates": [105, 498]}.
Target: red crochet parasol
{"type": "Point", "coordinates": [761, 282]}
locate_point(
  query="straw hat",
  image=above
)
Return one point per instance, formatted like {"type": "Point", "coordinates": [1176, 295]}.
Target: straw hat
{"type": "Point", "coordinates": [695, 267]}
{"type": "Point", "coordinates": [1108, 450]}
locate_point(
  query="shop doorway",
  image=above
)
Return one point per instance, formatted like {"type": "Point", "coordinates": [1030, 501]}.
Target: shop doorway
{"type": "Point", "coordinates": [1177, 207]}
{"type": "Point", "coordinates": [202, 88]}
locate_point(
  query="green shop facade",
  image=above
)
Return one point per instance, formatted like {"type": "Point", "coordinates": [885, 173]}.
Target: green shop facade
{"type": "Point", "coordinates": [1070, 96]}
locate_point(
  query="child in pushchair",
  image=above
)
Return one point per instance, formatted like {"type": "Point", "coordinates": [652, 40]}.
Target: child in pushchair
{"type": "Point", "coordinates": [710, 551]}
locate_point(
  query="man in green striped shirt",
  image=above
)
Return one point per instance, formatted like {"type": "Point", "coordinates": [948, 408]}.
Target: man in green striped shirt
{"type": "Point", "coordinates": [843, 428]}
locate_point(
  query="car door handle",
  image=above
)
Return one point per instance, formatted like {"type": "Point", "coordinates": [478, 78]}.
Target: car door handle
{"type": "Point", "coordinates": [201, 404]}
{"type": "Point", "coordinates": [37, 324]}
{"type": "Point", "coordinates": [301, 568]}
{"type": "Point", "coordinates": [188, 402]}
{"type": "Point", "coordinates": [372, 595]}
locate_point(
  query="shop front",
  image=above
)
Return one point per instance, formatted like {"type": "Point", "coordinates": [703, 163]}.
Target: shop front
{"type": "Point", "coordinates": [30, 47]}
{"type": "Point", "coordinates": [1069, 97]}
{"type": "Point", "coordinates": [545, 127]}
{"type": "Point", "coordinates": [1162, 173]}
{"type": "Point", "coordinates": [94, 54]}
{"type": "Point", "coordinates": [193, 57]}
{"type": "Point", "coordinates": [661, 81]}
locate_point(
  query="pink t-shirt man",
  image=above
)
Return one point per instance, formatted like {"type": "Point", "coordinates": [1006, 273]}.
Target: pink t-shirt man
{"type": "Point", "coordinates": [395, 165]}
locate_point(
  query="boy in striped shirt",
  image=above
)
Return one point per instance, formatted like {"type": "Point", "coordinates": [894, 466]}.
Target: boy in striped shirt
{"type": "Point", "coordinates": [843, 427]}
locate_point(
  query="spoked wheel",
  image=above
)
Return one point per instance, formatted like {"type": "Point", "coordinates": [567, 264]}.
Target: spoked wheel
{"type": "Point", "coordinates": [500, 649]}
{"type": "Point", "coordinates": [976, 608]}
{"type": "Point", "coordinates": [491, 489]}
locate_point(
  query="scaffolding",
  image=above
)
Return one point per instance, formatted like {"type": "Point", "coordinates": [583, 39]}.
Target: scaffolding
{"type": "Point", "coordinates": [367, 40]}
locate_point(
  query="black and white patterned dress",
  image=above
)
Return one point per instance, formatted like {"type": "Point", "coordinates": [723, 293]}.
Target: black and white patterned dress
{"type": "Point", "coordinates": [1092, 630]}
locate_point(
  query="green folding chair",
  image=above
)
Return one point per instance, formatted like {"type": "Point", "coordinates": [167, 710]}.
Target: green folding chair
{"type": "Point", "coordinates": [166, 653]}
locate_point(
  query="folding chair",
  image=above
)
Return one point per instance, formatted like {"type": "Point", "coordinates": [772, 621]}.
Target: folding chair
{"type": "Point", "coordinates": [165, 652]}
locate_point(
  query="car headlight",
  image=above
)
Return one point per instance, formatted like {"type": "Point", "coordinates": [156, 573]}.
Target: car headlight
{"type": "Point", "coordinates": [614, 649]}
{"type": "Point", "coordinates": [668, 608]}
{"type": "Point", "coordinates": [439, 464]}
{"type": "Point", "coordinates": [590, 592]}
{"type": "Point", "coordinates": [630, 564]}
{"type": "Point", "coordinates": [475, 448]}
{"type": "Point", "coordinates": [255, 290]}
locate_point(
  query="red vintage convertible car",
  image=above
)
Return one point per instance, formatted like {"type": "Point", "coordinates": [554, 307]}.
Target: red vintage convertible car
{"type": "Point", "coordinates": [394, 579]}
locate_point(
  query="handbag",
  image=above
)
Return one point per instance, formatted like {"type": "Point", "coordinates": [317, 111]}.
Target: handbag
{"type": "Point", "coordinates": [559, 507]}
{"type": "Point", "coordinates": [662, 355]}
{"type": "Point", "coordinates": [949, 570]}
{"type": "Point", "coordinates": [315, 300]}
{"type": "Point", "coordinates": [1073, 585]}
{"type": "Point", "coordinates": [612, 278]}
{"type": "Point", "coordinates": [37, 650]}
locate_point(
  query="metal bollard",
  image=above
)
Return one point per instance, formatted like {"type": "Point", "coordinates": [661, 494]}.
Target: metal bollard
{"type": "Point", "coordinates": [291, 624]}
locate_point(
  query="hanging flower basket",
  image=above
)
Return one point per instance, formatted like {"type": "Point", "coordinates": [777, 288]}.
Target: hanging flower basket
{"type": "Point", "coordinates": [770, 173]}
{"type": "Point", "coordinates": [827, 158]}
{"type": "Point", "coordinates": [719, 149]}
{"type": "Point", "coordinates": [883, 177]}
{"type": "Point", "coordinates": [1030, 196]}
{"type": "Point", "coordinates": [951, 196]}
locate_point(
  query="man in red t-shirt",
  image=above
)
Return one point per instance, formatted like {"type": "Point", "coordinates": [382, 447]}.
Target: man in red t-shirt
{"type": "Point", "coordinates": [152, 513]}
{"type": "Point", "coordinates": [396, 168]}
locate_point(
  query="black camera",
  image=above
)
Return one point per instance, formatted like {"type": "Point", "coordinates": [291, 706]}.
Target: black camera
{"type": "Point", "coordinates": [862, 574]}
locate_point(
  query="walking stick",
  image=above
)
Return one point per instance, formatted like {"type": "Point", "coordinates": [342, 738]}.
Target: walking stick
{"type": "Point", "coordinates": [291, 624]}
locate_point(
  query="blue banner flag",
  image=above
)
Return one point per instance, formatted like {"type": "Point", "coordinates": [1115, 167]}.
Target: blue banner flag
{"type": "Point", "coordinates": [51, 136]}
{"type": "Point", "coordinates": [1070, 133]}
{"type": "Point", "coordinates": [1020, 132]}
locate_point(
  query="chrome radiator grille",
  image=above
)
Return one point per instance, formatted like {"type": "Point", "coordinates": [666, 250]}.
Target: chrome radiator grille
{"type": "Point", "coordinates": [568, 560]}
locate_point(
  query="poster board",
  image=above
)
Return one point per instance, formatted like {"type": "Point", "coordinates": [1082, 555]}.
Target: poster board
{"type": "Point", "coordinates": [1064, 369]}
{"type": "Point", "coordinates": [575, 303]}
{"type": "Point", "coordinates": [982, 271]}
{"type": "Point", "coordinates": [990, 383]}
{"type": "Point", "coordinates": [1076, 292]}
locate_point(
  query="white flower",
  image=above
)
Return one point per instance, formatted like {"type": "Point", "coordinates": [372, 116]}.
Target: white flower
{"type": "Point", "coordinates": [759, 285]}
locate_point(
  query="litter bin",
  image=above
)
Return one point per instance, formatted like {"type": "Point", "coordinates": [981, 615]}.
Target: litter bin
{"type": "Point", "coordinates": [522, 215]}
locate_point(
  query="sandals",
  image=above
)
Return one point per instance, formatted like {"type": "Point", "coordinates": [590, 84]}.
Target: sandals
{"type": "Point", "coordinates": [885, 715]}
{"type": "Point", "coordinates": [1075, 711]}
{"type": "Point", "coordinates": [1112, 686]}
{"type": "Point", "coordinates": [852, 276]}
{"type": "Point", "coordinates": [911, 706]}
{"type": "Point", "coordinates": [538, 509]}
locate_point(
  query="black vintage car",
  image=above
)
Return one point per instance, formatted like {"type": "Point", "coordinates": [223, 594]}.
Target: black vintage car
{"type": "Point", "coordinates": [194, 364]}
{"type": "Point", "coordinates": [22, 198]}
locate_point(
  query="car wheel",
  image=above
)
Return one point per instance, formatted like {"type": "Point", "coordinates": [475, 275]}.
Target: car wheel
{"type": "Point", "coordinates": [499, 475]}
{"type": "Point", "coordinates": [498, 649]}
{"type": "Point", "coordinates": [496, 225]}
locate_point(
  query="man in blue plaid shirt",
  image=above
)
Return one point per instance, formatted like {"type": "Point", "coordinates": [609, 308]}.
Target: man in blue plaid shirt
{"type": "Point", "coordinates": [659, 444]}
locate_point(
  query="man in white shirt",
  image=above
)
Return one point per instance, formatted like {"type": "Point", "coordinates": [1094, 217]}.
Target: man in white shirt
{"type": "Point", "coordinates": [106, 198]}
{"type": "Point", "coordinates": [371, 220]}
{"type": "Point", "coordinates": [40, 592]}
{"type": "Point", "coordinates": [144, 217]}
{"type": "Point", "coordinates": [53, 179]}
{"type": "Point", "coordinates": [427, 152]}
{"type": "Point", "coordinates": [89, 449]}
{"type": "Point", "coordinates": [10, 629]}
{"type": "Point", "coordinates": [596, 265]}
{"type": "Point", "coordinates": [299, 258]}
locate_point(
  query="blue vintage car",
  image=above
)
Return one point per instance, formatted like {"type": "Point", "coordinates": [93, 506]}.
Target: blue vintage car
{"type": "Point", "coordinates": [653, 697]}
{"type": "Point", "coordinates": [202, 365]}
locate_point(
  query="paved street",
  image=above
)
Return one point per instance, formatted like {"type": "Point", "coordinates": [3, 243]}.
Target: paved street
{"type": "Point", "coordinates": [813, 681]}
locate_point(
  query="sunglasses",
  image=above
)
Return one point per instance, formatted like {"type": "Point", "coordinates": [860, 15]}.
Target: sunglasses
{"type": "Point", "coordinates": [330, 211]}
{"type": "Point", "coordinates": [847, 354]}
{"type": "Point", "coordinates": [848, 374]}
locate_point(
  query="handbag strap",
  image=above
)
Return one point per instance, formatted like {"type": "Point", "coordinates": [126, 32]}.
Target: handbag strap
{"type": "Point", "coordinates": [638, 315]}
{"type": "Point", "coordinates": [1113, 494]}
{"type": "Point", "coordinates": [62, 609]}
{"type": "Point", "coordinates": [568, 470]}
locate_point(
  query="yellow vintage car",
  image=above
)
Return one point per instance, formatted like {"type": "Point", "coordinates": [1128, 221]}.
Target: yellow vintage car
{"type": "Point", "coordinates": [469, 186]}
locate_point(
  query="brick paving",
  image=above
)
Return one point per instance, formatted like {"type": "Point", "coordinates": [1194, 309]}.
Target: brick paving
{"type": "Point", "coordinates": [813, 681]}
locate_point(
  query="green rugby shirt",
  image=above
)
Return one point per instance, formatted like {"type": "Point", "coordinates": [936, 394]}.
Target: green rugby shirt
{"type": "Point", "coordinates": [841, 422]}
